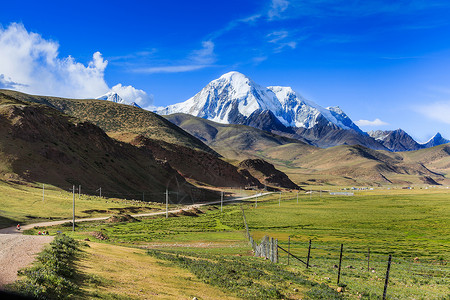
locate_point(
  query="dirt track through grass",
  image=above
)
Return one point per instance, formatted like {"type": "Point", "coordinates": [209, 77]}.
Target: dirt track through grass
{"type": "Point", "coordinates": [17, 252]}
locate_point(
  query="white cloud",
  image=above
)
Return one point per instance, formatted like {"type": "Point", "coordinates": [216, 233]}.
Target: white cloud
{"type": "Point", "coordinates": [31, 64]}
{"type": "Point", "coordinates": [376, 122]}
{"type": "Point", "coordinates": [131, 94]}
{"type": "Point", "coordinates": [439, 111]}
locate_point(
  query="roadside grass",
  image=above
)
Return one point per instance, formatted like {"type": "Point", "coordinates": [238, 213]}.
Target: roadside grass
{"type": "Point", "coordinates": [247, 277]}
{"type": "Point", "coordinates": [52, 275]}
{"type": "Point", "coordinates": [24, 204]}
{"type": "Point", "coordinates": [117, 272]}
{"type": "Point", "coordinates": [208, 230]}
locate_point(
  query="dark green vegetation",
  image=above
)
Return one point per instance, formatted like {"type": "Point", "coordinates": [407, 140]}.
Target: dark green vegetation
{"type": "Point", "coordinates": [52, 276]}
{"type": "Point", "coordinates": [249, 278]}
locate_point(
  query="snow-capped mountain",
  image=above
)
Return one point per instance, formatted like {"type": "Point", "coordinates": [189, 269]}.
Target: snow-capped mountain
{"type": "Point", "coordinates": [236, 99]}
{"type": "Point", "coordinates": [436, 140]}
{"type": "Point", "coordinates": [114, 97]}
{"type": "Point", "coordinates": [399, 140]}
{"type": "Point", "coordinates": [395, 140]}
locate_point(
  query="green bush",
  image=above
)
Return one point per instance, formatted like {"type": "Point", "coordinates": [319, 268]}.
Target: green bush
{"type": "Point", "coordinates": [51, 277]}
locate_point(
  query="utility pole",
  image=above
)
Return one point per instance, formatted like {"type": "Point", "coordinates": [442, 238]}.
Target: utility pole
{"type": "Point", "coordinates": [221, 201]}
{"type": "Point", "coordinates": [167, 203]}
{"type": "Point", "coordinates": [43, 192]}
{"type": "Point", "coordinates": [297, 197]}
{"type": "Point", "coordinates": [73, 209]}
{"type": "Point", "coordinates": [100, 192]}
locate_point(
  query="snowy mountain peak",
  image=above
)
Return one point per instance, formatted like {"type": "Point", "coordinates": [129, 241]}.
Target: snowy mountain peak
{"type": "Point", "coordinates": [436, 140]}
{"type": "Point", "coordinates": [233, 75]}
{"type": "Point", "coordinates": [233, 98]}
{"type": "Point", "coordinates": [112, 96]}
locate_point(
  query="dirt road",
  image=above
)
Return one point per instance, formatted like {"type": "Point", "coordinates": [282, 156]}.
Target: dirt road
{"type": "Point", "coordinates": [18, 251]}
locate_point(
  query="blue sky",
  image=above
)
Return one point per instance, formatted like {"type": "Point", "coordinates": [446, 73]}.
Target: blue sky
{"type": "Point", "coordinates": [385, 60]}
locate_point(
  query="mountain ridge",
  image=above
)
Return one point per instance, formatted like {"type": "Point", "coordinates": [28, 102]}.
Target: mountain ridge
{"type": "Point", "coordinates": [234, 98]}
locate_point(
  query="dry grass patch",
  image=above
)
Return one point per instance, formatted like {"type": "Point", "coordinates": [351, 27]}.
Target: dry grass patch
{"type": "Point", "coordinates": [121, 272]}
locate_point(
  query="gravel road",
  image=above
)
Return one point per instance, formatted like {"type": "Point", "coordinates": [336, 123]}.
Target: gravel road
{"type": "Point", "coordinates": [18, 251]}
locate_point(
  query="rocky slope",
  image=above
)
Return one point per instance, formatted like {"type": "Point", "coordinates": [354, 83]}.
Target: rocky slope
{"type": "Point", "coordinates": [267, 174]}
{"type": "Point", "coordinates": [39, 144]}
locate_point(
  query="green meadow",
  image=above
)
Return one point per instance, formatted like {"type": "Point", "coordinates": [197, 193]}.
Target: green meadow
{"type": "Point", "coordinates": [31, 203]}
{"type": "Point", "coordinates": [410, 225]}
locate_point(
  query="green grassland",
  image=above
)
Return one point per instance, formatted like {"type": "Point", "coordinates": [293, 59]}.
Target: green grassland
{"type": "Point", "coordinates": [25, 204]}
{"type": "Point", "coordinates": [411, 225]}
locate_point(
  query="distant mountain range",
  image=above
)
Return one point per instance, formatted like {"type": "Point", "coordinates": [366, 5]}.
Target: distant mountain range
{"type": "Point", "coordinates": [399, 140]}
{"type": "Point", "coordinates": [236, 99]}
{"type": "Point", "coordinates": [103, 143]}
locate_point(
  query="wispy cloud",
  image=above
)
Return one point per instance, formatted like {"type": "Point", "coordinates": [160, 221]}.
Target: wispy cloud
{"type": "Point", "coordinates": [135, 55]}
{"type": "Point", "coordinates": [438, 111]}
{"type": "Point", "coordinates": [376, 122]}
{"type": "Point", "coordinates": [196, 60]}
{"type": "Point", "coordinates": [280, 38]}
{"type": "Point", "coordinates": [170, 69]}
{"type": "Point", "coordinates": [277, 7]}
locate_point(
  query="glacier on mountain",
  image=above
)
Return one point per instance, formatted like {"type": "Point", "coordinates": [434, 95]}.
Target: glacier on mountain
{"type": "Point", "coordinates": [234, 96]}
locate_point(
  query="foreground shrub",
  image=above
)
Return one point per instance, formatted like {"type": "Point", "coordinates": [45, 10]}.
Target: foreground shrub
{"type": "Point", "coordinates": [51, 277]}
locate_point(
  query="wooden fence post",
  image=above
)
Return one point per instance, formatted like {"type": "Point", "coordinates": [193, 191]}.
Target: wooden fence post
{"type": "Point", "coordinates": [289, 248]}
{"type": "Point", "coordinates": [309, 252]}
{"type": "Point", "coordinates": [340, 262]}
{"type": "Point", "coordinates": [387, 277]}
{"type": "Point", "coordinates": [276, 250]}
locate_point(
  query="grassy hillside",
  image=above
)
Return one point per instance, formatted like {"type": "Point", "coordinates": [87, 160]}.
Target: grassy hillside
{"type": "Point", "coordinates": [164, 140]}
{"type": "Point", "coordinates": [234, 141]}
{"type": "Point", "coordinates": [40, 144]}
{"type": "Point", "coordinates": [114, 117]}
{"type": "Point", "coordinates": [305, 164]}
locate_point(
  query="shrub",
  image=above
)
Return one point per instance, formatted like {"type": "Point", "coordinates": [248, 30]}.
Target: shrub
{"type": "Point", "coordinates": [51, 277]}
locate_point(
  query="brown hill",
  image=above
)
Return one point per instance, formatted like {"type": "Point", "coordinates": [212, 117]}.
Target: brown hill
{"type": "Point", "coordinates": [39, 144]}
{"type": "Point", "coordinates": [305, 164]}
{"type": "Point", "coordinates": [114, 117]}
{"type": "Point", "coordinates": [267, 174]}
{"type": "Point", "coordinates": [164, 140]}
{"type": "Point", "coordinates": [203, 167]}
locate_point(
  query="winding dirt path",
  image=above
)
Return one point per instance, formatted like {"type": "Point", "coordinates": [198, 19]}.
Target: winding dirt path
{"type": "Point", "coordinates": [18, 251]}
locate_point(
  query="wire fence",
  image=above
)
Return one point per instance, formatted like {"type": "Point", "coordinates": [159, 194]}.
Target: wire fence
{"type": "Point", "coordinates": [339, 264]}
